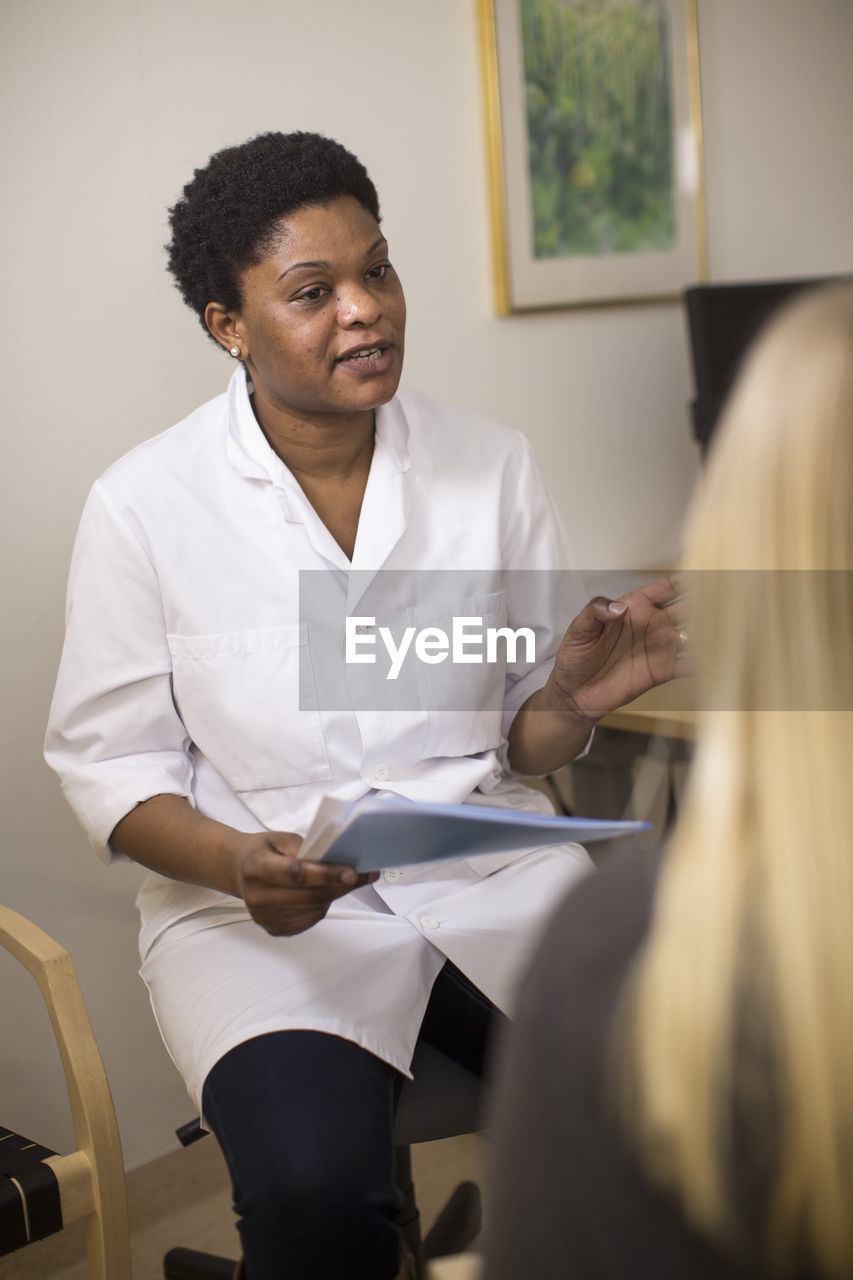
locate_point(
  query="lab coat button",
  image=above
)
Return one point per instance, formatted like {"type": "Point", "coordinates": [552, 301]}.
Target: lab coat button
{"type": "Point", "coordinates": [382, 772]}
{"type": "Point", "coordinates": [391, 875]}
{"type": "Point", "coordinates": [429, 922]}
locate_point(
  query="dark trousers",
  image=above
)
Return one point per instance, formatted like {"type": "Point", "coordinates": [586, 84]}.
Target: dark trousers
{"type": "Point", "coordinates": [305, 1121]}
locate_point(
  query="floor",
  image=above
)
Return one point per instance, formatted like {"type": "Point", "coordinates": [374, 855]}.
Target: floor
{"type": "Point", "coordinates": [184, 1198]}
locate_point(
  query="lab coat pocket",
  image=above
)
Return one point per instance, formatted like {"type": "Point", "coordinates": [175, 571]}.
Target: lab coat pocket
{"type": "Point", "coordinates": [248, 701]}
{"type": "Point", "coordinates": [465, 693]}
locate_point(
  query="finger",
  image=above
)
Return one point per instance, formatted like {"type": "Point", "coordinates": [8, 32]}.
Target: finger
{"type": "Point", "coordinates": [285, 842]}
{"type": "Point", "coordinates": [287, 872]}
{"type": "Point", "coordinates": [341, 871]}
{"type": "Point", "coordinates": [339, 866]}
{"type": "Point", "coordinates": [306, 873]}
{"type": "Point", "coordinates": [336, 876]}
{"type": "Point", "coordinates": [288, 922]}
{"type": "Point", "coordinates": [608, 610]}
{"type": "Point", "coordinates": [593, 618]}
{"type": "Point", "coordinates": [677, 611]}
{"type": "Point", "coordinates": [666, 639]}
{"type": "Point", "coordinates": [293, 899]}
{"type": "Point", "coordinates": [685, 663]}
{"type": "Point", "coordinates": [663, 591]}
{"type": "Point", "coordinates": [269, 867]}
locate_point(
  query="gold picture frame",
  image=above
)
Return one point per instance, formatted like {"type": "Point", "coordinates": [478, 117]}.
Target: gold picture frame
{"type": "Point", "coordinates": [595, 198]}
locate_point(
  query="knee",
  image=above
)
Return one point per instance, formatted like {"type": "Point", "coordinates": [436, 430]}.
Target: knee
{"type": "Point", "coordinates": [307, 1188]}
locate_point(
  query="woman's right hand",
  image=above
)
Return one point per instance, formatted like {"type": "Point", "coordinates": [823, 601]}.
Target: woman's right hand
{"type": "Point", "coordinates": [285, 895]}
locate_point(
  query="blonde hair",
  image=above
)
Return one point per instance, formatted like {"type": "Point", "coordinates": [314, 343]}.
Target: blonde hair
{"type": "Point", "coordinates": [753, 916]}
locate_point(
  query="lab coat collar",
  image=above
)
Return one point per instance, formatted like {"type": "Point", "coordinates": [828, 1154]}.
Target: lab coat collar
{"type": "Point", "coordinates": [249, 451]}
{"type": "Point", "coordinates": [385, 508]}
{"type": "Point", "coordinates": [392, 430]}
{"type": "Point", "coordinates": [252, 455]}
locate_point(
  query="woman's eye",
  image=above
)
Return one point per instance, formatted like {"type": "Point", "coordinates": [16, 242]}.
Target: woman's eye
{"type": "Point", "coordinates": [310, 295]}
{"type": "Point", "coordinates": [380, 271]}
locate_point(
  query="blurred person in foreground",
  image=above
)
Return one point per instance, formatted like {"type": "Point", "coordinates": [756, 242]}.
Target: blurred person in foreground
{"type": "Point", "coordinates": [676, 1097]}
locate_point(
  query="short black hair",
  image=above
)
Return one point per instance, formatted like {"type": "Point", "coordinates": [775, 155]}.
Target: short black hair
{"type": "Point", "coordinates": [226, 218]}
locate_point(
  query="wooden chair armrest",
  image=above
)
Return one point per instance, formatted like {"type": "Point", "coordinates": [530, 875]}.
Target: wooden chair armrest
{"type": "Point", "coordinates": [95, 1129]}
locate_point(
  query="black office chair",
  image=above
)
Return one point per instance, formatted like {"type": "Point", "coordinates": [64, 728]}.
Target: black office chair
{"type": "Point", "coordinates": [443, 1100]}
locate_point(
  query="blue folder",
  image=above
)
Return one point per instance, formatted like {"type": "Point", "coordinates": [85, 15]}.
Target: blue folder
{"type": "Point", "coordinates": [377, 832]}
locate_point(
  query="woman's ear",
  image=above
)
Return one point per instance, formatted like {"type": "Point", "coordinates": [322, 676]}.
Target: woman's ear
{"type": "Point", "coordinates": [224, 327]}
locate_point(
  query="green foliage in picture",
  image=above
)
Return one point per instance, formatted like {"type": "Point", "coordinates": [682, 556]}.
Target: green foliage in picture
{"type": "Point", "coordinates": [599, 124]}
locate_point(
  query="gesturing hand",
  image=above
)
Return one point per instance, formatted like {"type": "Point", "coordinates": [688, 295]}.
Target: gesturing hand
{"type": "Point", "coordinates": [284, 895]}
{"type": "Point", "coordinates": [617, 649]}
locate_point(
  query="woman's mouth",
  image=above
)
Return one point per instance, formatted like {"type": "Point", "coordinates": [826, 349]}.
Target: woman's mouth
{"type": "Point", "coordinates": [367, 359]}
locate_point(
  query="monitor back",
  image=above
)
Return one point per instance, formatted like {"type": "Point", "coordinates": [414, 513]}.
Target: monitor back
{"type": "Point", "coordinates": [723, 320]}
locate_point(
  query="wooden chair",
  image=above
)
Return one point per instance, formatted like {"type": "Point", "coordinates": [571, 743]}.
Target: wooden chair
{"type": "Point", "coordinates": [41, 1192]}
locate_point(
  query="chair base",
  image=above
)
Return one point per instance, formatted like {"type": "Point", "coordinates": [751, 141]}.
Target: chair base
{"type": "Point", "coordinates": [189, 1264]}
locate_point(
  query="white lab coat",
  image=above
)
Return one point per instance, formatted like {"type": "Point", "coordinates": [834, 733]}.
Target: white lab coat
{"type": "Point", "coordinates": [189, 669]}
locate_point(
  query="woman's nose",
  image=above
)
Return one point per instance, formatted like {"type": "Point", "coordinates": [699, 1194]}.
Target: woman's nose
{"type": "Point", "coordinates": [357, 305]}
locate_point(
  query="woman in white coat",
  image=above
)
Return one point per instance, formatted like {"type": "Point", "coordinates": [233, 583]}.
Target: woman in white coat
{"type": "Point", "coordinates": [196, 726]}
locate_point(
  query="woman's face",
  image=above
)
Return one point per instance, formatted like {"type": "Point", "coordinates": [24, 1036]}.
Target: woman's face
{"type": "Point", "coordinates": [323, 319]}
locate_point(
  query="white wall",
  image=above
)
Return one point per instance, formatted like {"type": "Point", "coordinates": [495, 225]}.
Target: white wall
{"type": "Point", "coordinates": [109, 105]}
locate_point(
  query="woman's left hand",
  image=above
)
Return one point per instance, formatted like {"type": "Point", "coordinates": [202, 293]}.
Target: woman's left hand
{"type": "Point", "coordinates": [617, 649]}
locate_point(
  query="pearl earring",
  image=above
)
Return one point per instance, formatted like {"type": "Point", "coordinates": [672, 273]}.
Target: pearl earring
{"type": "Point", "coordinates": [235, 352]}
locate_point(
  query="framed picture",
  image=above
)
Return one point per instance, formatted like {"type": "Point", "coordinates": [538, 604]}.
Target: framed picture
{"type": "Point", "coordinates": [593, 117]}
